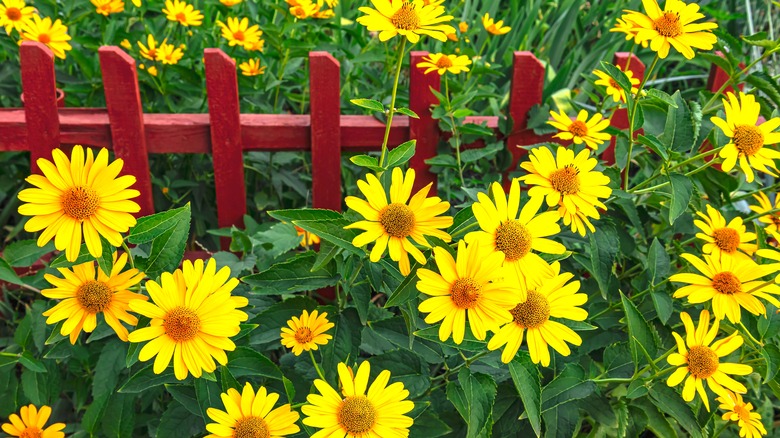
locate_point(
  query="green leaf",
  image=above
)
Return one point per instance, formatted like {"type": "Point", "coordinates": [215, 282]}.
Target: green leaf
{"type": "Point", "coordinates": [185, 394]}
{"type": "Point", "coordinates": [718, 60]}
{"type": "Point", "coordinates": [470, 343]}
{"type": "Point", "coordinates": [661, 96]}
{"type": "Point", "coordinates": [31, 363]}
{"type": "Point", "coordinates": [604, 246]}
{"type": "Point", "coordinates": [407, 112]}
{"type": "Point", "coordinates": [109, 366]}
{"type": "Point", "coordinates": [407, 367]}
{"type": "Point", "coordinates": [346, 340]}
{"type": "Point", "coordinates": [654, 144]}
{"type": "Point", "coordinates": [62, 262]}
{"type": "Point", "coordinates": [400, 154]}
{"type": "Point", "coordinates": [168, 233]}
{"type": "Point", "coordinates": [304, 214]}
{"type": "Point", "coordinates": [406, 291]}
{"type": "Point", "coordinates": [760, 39]}
{"type": "Point", "coordinates": [373, 105]}
{"type": "Point", "coordinates": [119, 417]}
{"type": "Point", "coordinates": [571, 384]}
{"type": "Point", "coordinates": [771, 355]}
{"type": "Point", "coordinates": [208, 395]}
{"type": "Point", "coordinates": [245, 361]}
{"type": "Point", "coordinates": [325, 254]}
{"type": "Point", "coordinates": [473, 396]}
{"type": "Point", "coordinates": [146, 378]}
{"type": "Point", "coordinates": [178, 421]}
{"type": "Point", "coordinates": [678, 134]}
{"type": "Point", "coordinates": [525, 375]}
{"type": "Point", "coordinates": [618, 76]}
{"type": "Point", "coordinates": [368, 162]}
{"type": "Point", "coordinates": [672, 404]}
{"type": "Point", "coordinates": [333, 231]}
{"type": "Point", "coordinates": [106, 260]}
{"type": "Point", "coordinates": [8, 274]}
{"type": "Point", "coordinates": [153, 226]}
{"type": "Point", "coordinates": [429, 425]}
{"type": "Point", "coordinates": [682, 190]}
{"type": "Point", "coordinates": [658, 263]}
{"type": "Point", "coordinates": [639, 332]}
{"type": "Point", "coordinates": [293, 275]}
{"type": "Point", "coordinates": [24, 253]}
{"type": "Point", "coordinates": [766, 84]}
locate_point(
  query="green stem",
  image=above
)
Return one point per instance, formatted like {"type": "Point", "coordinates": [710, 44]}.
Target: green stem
{"type": "Point", "coordinates": [129, 256]}
{"type": "Point", "coordinates": [750, 335]}
{"type": "Point", "coordinates": [706, 108]}
{"type": "Point", "coordinates": [316, 367]}
{"type": "Point", "coordinates": [680, 164]}
{"type": "Point", "coordinates": [664, 184]}
{"type": "Point", "coordinates": [455, 133]}
{"type": "Point", "coordinates": [401, 48]}
{"type": "Point", "coordinates": [633, 117]}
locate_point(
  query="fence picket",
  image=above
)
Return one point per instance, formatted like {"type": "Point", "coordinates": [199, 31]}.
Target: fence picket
{"type": "Point", "coordinates": [40, 101]}
{"type": "Point", "coordinates": [425, 129]}
{"type": "Point", "coordinates": [325, 101]}
{"type": "Point", "coordinates": [626, 61]}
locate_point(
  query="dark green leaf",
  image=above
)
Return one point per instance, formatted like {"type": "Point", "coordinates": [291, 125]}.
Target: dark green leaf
{"type": "Point", "coordinates": [672, 404]}
{"type": "Point", "coordinates": [525, 375]}
{"type": "Point", "coordinates": [153, 226]}
{"type": "Point", "coordinates": [293, 275]}
{"type": "Point", "coordinates": [368, 162]}
{"type": "Point", "coordinates": [473, 396]}
{"type": "Point", "coordinates": [247, 362]}
{"type": "Point", "coordinates": [25, 252]}
{"type": "Point", "coordinates": [146, 378]}
{"type": "Point", "coordinates": [400, 154]}
{"type": "Point", "coordinates": [568, 386]}
{"type": "Point", "coordinates": [678, 134]}
{"type": "Point", "coordinates": [682, 190]}
{"type": "Point", "coordinates": [771, 355]}
{"type": "Point", "coordinates": [8, 274]}
{"type": "Point", "coordinates": [304, 214]}
{"type": "Point", "coordinates": [639, 332]}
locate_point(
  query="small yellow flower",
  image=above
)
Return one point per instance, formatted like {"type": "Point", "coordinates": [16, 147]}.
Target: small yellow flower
{"type": "Point", "coordinates": [737, 410]}
{"type": "Point", "coordinates": [302, 9]}
{"type": "Point", "coordinates": [238, 32]}
{"type": "Point", "coordinates": [257, 46]}
{"type": "Point", "coordinates": [463, 27]}
{"type": "Point", "coordinates": [14, 14]}
{"type": "Point", "coordinates": [53, 34]}
{"type": "Point", "coordinates": [581, 130]}
{"type": "Point", "coordinates": [307, 238]}
{"type": "Point", "coordinates": [137, 3]}
{"type": "Point", "coordinates": [152, 70]}
{"type": "Point", "coordinates": [724, 238]}
{"type": "Point", "coordinates": [126, 44]}
{"type": "Point", "coordinates": [251, 67]}
{"type": "Point", "coordinates": [30, 424]}
{"type": "Point", "coordinates": [183, 13]}
{"type": "Point", "coordinates": [613, 89]}
{"type": "Point", "coordinates": [248, 414]}
{"type": "Point", "coordinates": [306, 332]}
{"type": "Point", "coordinates": [442, 63]}
{"type": "Point", "coordinates": [230, 3]}
{"type": "Point", "coordinates": [628, 27]}
{"type": "Point", "coordinates": [673, 26]}
{"type": "Point", "coordinates": [108, 7]}
{"type": "Point", "coordinates": [150, 50]}
{"type": "Point", "coordinates": [409, 19]}
{"type": "Point", "coordinates": [495, 27]}
{"type": "Point", "coordinates": [772, 220]}
{"type": "Point", "coordinates": [169, 54]}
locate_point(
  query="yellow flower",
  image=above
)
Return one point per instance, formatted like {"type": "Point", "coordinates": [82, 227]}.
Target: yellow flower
{"type": "Point", "coordinates": [749, 422]}
{"type": "Point", "coordinates": [14, 14]}
{"type": "Point", "coordinates": [390, 226]}
{"type": "Point", "coordinates": [251, 67]}
{"type": "Point", "coordinates": [108, 7]}
{"type": "Point", "coordinates": [546, 298]}
{"type": "Point", "coordinates": [83, 192]}
{"type": "Point", "coordinates": [249, 414]}
{"type": "Point", "coordinates": [137, 3]}
{"type": "Point", "coordinates": [126, 44]}
{"type": "Point", "coordinates": [772, 220]}
{"type": "Point", "coordinates": [306, 332]}
{"type": "Point", "coordinates": [150, 51]}
{"type": "Point", "coordinates": [307, 238]}
{"type": "Point", "coordinates": [472, 288]}
{"type": "Point", "coordinates": [238, 32]}
{"type": "Point", "coordinates": [581, 130]}
{"type": "Point", "coordinates": [672, 27]}
{"type": "Point", "coordinates": [724, 238]}
{"type": "Point", "coordinates": [302, 9]}
{"type": "Point", "coordinates": [169, 54]}
{"type": "Point", "coordinates": [84, 295]}
{"type": "Point", "coordinates": [516, 233]}
{"type": "Point", "coordinates": [185, 14]}
{"type": "Point", "coordinates": [192, 319]}
{"type": "Point", "coordinates": [613, 89]}
{"type": "Point", "coordinates": [376, 413]}
{"type": "Point", "coordinates": [747, 140]}
{"type": "Point", "coordinates": [628, 27]}
{"type": "Point", "coordinates": [331, 3]}
{"type": "Point", "coordinates": [700, 358]}
{"type": "Point", "coordinates": [31, 423]}
{"type": "Point", "coordinates": [568, 182]}
{"type": "Point", "coordinates": [152, 70]}
{"type": "Point", "coordinates": [406, 18]}
{"type": "Point", "coordinates": [463, 27]}
{"type": "Point", "coordinates": [495, 27]}
{"type": "Point", "coordinates": [53, 34]}
{"type": "Point", "coordinates": [230, 3]}
{"type": "Point", "coordinates": [730, 283]}
{"type": "Point", "coordinates": [442, 63]}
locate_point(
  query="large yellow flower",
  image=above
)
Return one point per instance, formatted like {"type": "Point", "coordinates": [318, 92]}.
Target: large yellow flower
{"type": "Point", "coordinates": [248, 414]}
{"type": "Point", "coordinates": [183, 13]}
{"type": "Point", "coordinates": [612, 87]}
{"type": "Point", "coordinates": [14, 14]}
{"type": "Point", "coordinates": [251, 67]}
{"type": "Point", "coordinates": [724, 238]}
{"type": "Point", "coordinates": [359, 414]}
{"type": "Point", "coordinates": [772, 220]}
{"type": "Point", "coordinates": [581, 130]}
{"type": "Point", "coordinates": [81, 193]}
{"type": "Point", "coordinates": [108, 7]}
{"type": "Point", "coordinates": [747, 140]}
{"type": "Point", "coordinates": [699, 359]}
{"type": "Point", "coordinates": [547, 297]}
{"type": "Point", "coordinates": [515, 232]}
{"type": "Point", "coordinates": [673, 27]}
{"type": "Point", "coordinates": [84, 295]}
{"type": "Point", "coordinates": [150, 50]}
{"type": "Point", "coordinates": [238, 32]}
{"type": "Point", "coordinates": [474, 287]}
{"type": "Point", "coordinates": [193, 317]}
{"type": "Point", "coordinates": [737, 410]}
{"type": "Point", "coordinates": [441, 63]}
{"type": "Point", "coordinates": [628, 27]}
{"type": "Point", "coordinates": [31, 422]}
{"type": "Point", "coordinates": [53, 34]}
{"type": "Point", "coordinates": [230, 3]}
{"type": "Point", "coordinates": [730, 283]}
{"type": "Point", "coordinates": [408, 18]}
{"type": "Point", "coordinates": [568, 182]}
{"type": "Point", "coordinates": [494, 27]}
{"type": "Point", "coordinates": [169, 54]}
{"type": "Point", "coordinates": [392, 225]}
{"type": "Point", "coordinates": [306, 332]}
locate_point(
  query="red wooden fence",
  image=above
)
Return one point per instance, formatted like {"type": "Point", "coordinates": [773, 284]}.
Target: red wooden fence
{"type": "Point", "coordinates": [122, 126]}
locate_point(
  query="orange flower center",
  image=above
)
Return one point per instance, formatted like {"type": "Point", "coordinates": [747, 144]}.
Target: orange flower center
{"type": "Point", "coordinates": [357, 415]}
{"type": "Point", "coordinates": [726, 283]}
{"type": "Point", "coordinates": [80, 202]}
{"type": "Point", "coordinates": [727, 239]}
{"type": "Point", "coordinates": [251, 427]}
{"type": "Point", "coordinates": [238, 35]}
{"type": "Point", "coordinates": [444, 62]}
{"type": "Point", "coordinates": [94, 296]}
{"type": "Point", "coordinates": [303, 335]}
{"type": "Point", "coordinates": [406, 18]}
{"type": "Point", "coordinates": [702, 361]}
{"type": "Point", "coordinates": [613, 84]}
{"type": "Point", "coordinates": [465, 293]}
{"type": "Point", "coordinates": [181, 17]}
{"type": "Point", "coordinates": [532, 313]}
{"type": "Point", "coordinates": [748, 139]}
{"type": "Point", "coordinates": [578, 128]}
{"type": "Point", "coordinates": [397, 219]}
{"type": "Point", "coordinates": [742, 412]}
{"type": "Point", "coordinates": [513, 239]}
{"type": "Point", "coordinates": [181, 324]}
{"type": "Point", "coordinates": [44, 38]}
{"type": "Point", "coordinates": [31, 432]}
{"type": "Point", "coordinates": [669, 25]}
{"type": "Point", "coordinates": [13, 14]}
{"type": "Point", "coordinates": [566, 180]}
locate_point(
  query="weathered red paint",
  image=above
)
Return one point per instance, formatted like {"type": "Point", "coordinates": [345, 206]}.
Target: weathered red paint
{"type": "Point", "coordinates": [620, 119]}
{"type": "Point", "coordinates": [41, 121]}
{"type": "Point", "coordinates": [325, 101]}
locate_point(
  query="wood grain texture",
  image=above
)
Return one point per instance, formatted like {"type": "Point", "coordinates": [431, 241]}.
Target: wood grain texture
{"type": "Point", "coordinates": [425, 129]}
{"type": "Point", "coordinates": [41, 120]}
{"type": "Point", "coordinates": [620, 119]}
{"type": "Point", "coordinates": [325, 100]}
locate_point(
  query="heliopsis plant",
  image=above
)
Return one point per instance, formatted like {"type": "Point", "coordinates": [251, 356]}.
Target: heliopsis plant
{"type": "Point", "coordinates": [14, 14]}
{"type": "Point", "coordinates": [581, 130]}
{"type": "Point", "coordinates": [251, 413]}
{"type": "Point", "coordinates": [441, 63]}
{"type": "Point", "coordinates": [494, 27]}
{"type": "Point", "coordinates": [31, 422]}
{"type": "Point", "coordinates": [731, 239]}
{"type": "Point", "coordinates": [306, 332]}
{"type": "Point", "coordinates": [238, 32]}
{"type": "Point", "coordinates": [251, 67]}
{"type": "Point", "coordinates": [183, 13]}
{"type": "Point", "coordinates": [108, 7]}
{"type": "Point", "coordinates": [770, 213]}
{"type": "Point", "coordinates": [673, 26]}
{"type": "Point", "coordinates": [410, 19]}
{"type": "Point", "coordinates": [612, 88]}
{"type": "Point", "coordinates": [737, 410]}
{"type": "Point", "coordinates": [50, 32]}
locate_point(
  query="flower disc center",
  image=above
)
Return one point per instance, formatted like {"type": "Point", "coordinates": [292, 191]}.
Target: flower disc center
{"type": "Point", "coordinates": [566, 180]}
{"type": "Point", "coordinates": [669, 25]}
{"type": "Point", "coordinates": [397, 219]}
{"type": "Point", "coordinates": [303, 335]}
{"type": "Point", "coordinates": [31, 432]}
{"type": "Point", "coordinates": [80, 202]}
{"type": "Point", "coordinates": [13, 14]}
{"type": "Point", "coordinates": [702, 361]}
{"type": "Point", "coordinates": [534, 312]}
{"type": "Point", "coordinates": [748, 139]}
{"type": "Point", "coordinates": [726, 283]}
{"type": "Point", "coordinates": [579, 128]}
{"type": "Point", "coordinates": [238, 35]}
{"type": "Point", "coordinates": [465, 293]}
{"type": "Point", "coordinates": [727, 239]}
{"type": "Point", "coordinates": [94, 296]}
{"type": "Point", "coordinates": [251, 427]}
{"type": "Point", "coordinates": [357, 415]}
{"type": "Point", "coordinates": [513, 239]}
{"type": "Point", "coordinates": [406, 18]}
{"type": "Point", "coordinates": [181, 324]}
{"type": "Point", "coordinates": [444, 62]}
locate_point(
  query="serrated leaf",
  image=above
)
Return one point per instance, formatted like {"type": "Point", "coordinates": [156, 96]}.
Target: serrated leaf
{"type": "Point", "coordinates": [400, 154]}
{"type": "Point", "coordinates": [293, 275]}
{"type": "Point", "coordinates": [678, 134]}
{"type": "Point", "coordinates": [333, 231]}
{"type": "Point", "coordinates": [640, 335]}
{"type": "Point", "coordinates": [24, 253]}
{"type": "Point", "coordinates": [682, 190]}
{"type": "Point", "coordinates": [153, 226]}
{"type": "Point", "coordinates": [525, 375]}
{"type": "Point", "coordinates": [568, 386]}
{"type": "Point", "coordinates": [8, 274]}
{"type": "Point", "coordinates": [473, 396]}
{"type": "Point", "coordinates": [304, 214]}
{"type": "Point", "coordinates": [658, 263]}
{"type": "Point", "coordinates": [671, 403]}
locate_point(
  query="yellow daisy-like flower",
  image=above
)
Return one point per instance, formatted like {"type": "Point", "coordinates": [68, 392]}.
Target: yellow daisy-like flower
{"type": "Point", "coordinates": [30, 424]}
{"type": "Point", "coordinates": [307, 238]}
{"type": "Point", "coordinates": [302, 9]}
{"type": "Point", "coordinates": [251, 67]}
{"type": "Point", "coordinates": [193, 317]}
{"type": "Point", "coordinates": [494, 27]}
{"type": "Point", "coordinates": [581, 130]}
{"type": "Point", "coordinates": [82, 193]}
{"type": "Point", "coordinates": [613, 89]}
{"type": "Point", "coordinates": [441, 63]}
{"type": "Point", "coordinates": [737, 410]}
{"type": "Point", "coordinates": [463, 27]}
{"type": "Point", "coordinates": [183, 13]}
{"type": "Point", "coordinates": [747, 140]}
{"type": "Point", "coordinates": [306, 332]}
{"type": "Point", "coordinates": [673, 26]}
{"type": "Point", "coordinates": [108, 7]}
{"type": "Point", "coordinates": [724, 238]}
{"type": "Point", "coordinates": [248, 414]}
{"type": "Point", "coordinates": [230, 3]}
{"type": "Point", "coordinates": [14, 14]}
{"type": "Point", "coordinates": [126, 44]}
{"type": "Point", "coordinates": [85, 294]}
{"type": "Point", "coordinates": [331, 3]}
{"type": "Point", "coordinates": [473, 287]}
{"type": "Point", "coordinates": [392, 225]}
{"type": "Point", "coordinates": [699, 359]}
{"type": "Point", "coordinates": [772, 220]}
{"type": "Point", "coordinates": [516, 233]}
{"type": "Point", "coordinates": [731, 283]}
{"type": "Point", "coordinates": [150, 50]}
{"type": "Point", "coordinates": [628, 27]}
{"type": "Point", "coordinates": [359, 414]}
{"type": "Point", "coordinates": [53, 34]}
{"type": "Point", "coordinates": [257, 46]}
{"type": "Point", "coordinates": [568, 182]}
{"type": "Point", "coordinates": [408, 18]}
{"type": "Point", "coordinates": [152, 70]}
{"type": "Point", "coordinates": [238, 32]}
{"type": "Point", "coordinates": [547, 297]}
{"type": "Point", "coordinates": [137, 3]}
{"type": "Point", "coordinates": [169, 54]}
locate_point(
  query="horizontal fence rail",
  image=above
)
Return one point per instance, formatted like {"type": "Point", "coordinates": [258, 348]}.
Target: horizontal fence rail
{"type": "Point", "coordinates": [122, 126]}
